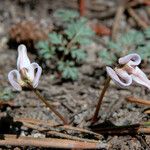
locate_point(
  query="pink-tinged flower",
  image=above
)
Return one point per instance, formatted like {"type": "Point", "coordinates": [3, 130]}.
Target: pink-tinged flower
{"type": "Point", "coordinates": [130, 72]}
{"type": "Point", "coordinates": [131, 60]}
{"type": "Point", "coordinates": [119, 76]}
{"type": "Point", "coordinates": [25, 71]}
{"type": "Point", "coordinates": [139, 77]}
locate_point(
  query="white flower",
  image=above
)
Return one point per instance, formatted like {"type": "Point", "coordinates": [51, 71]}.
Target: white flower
{"type": "Point", "coordinates": [119, 76]}
{"type": "Point", "coordinates": [25, 71]}
{"type": "Point", "coordinates": [129, 72]}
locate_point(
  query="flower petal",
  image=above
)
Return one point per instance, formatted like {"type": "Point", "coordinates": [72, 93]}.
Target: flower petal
{"type": "Point", "coordinates": [23, 60]}
{"type": "Point", "coordinates": [140, 77]}
{"type": "Point", "coordinates": [30, 72]}
{"type": "Point", "coordinates": [119, 76]}
{"type": "Point", "coordinates": [37, 74]}
{"type": "Point", "coordinates": [131, 59]}
{"type": "Point", "coordinates": [15, 82]}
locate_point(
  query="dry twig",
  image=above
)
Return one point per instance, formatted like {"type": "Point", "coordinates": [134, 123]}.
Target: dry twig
{"type": "Point", "coordinates": [138, 101]}
{"type": "Point", "coordinates": [13, 140]}
{"type": "Point", "coordinates": [140, 22]}
{"type": "Point", "coordinates": [147, 112]}
{"type": "Point", "coordinates": [116, 23]}
{"type": "Point", "coordinates": [51, 129]}
{"type": "Point", "coordinates": [124, 130]}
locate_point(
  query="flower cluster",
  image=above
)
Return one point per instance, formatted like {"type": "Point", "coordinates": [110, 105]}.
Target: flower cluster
{"type": "Point", "coordinates": [25, 72]}
{"type": "Point", "coordinates": [129, 72]}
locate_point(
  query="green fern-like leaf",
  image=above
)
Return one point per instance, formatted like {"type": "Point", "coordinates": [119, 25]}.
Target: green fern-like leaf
{"type": "Point", "coordinates": [43, 45]}
{"type": "Point", "coordinates": [144, 52]}
{"type": "Point", "coordinates": [69, 71]}
{"type": "Point", "coordinates": [115, 46]}
{"type": "Point", "coordinates": [79, 31]}
{"type": "Point", "coordinates": [55, 38]}
{"type": "Point", "coordinates": [44, 50]}
{"type": "Point", "coordinates": [131, 38]}
{"type": "Point", "coordinates": [6, 94]}
{"type": "Point", "coordinates": [147, 33]}
{"type": "Point", "coordinates": [66, 15]}
{"type": "Point", "coordinates": [67, 44]}
{"type": "Point", "coordinates": [136, 41]}
{"type": "Point", "coordinates": [107, 57]}
{"type": "Point", "coordinates": [78, 54]}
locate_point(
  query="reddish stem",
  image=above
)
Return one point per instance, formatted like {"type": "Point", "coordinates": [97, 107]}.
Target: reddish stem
{"type": "Point", "coordinates": [48, 105]}
{"type": "Point", "coordinates": [95, 117]}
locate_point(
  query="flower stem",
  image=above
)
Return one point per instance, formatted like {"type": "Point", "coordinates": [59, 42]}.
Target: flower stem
{"type": "Point", "coordinates": [37, 93]}
{"type": "Point", "coordinates": [95, 117]}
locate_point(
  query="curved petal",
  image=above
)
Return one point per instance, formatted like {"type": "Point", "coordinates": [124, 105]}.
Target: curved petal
{"type": "Point", "coordinates": [30, 72]}
{"type": "Point", "coordinates": [139, 77]}
{"type": "Point", "coordinates": [37, 74]}
{"type": "Point", "coordinates": [119, 76]}
{"type": "Point", "coordinates": [131, 59]}
{"type": "Point", "coordinates": [23, 60]}
{"type": "Point", "coordinates": [15, 82]}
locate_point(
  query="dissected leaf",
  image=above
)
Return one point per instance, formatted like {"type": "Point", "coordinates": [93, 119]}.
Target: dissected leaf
{"type": "Point", "coordinates": [70, 73]}
{"type": "Point", "coordinates": [66, 44]}
{"type": "Point", "coordinates": [147, 33]}
{"type": "Point", "coordinates": [66, 15]}
{"type": "Point", "coordinates": [6, 94]}
{"type": "Point", "coordinates": [78, 54]}
{"type": "Point", "coordinates": [79, 31]}
{"type": "Point", "coordinates": [45, 50]}
{"type": "Point", "coordinates": [107, 57]}
{"type": "Point", "coordinates": [144, 52]}
{"type": "Point", "coordinates": [43, 45]}
{"type": "Point", "coordinates": [131, 38]}
{"type": "Point", "coordinates": [114, 46]}
{"type": "Point", "coordinates": [55, 38]}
